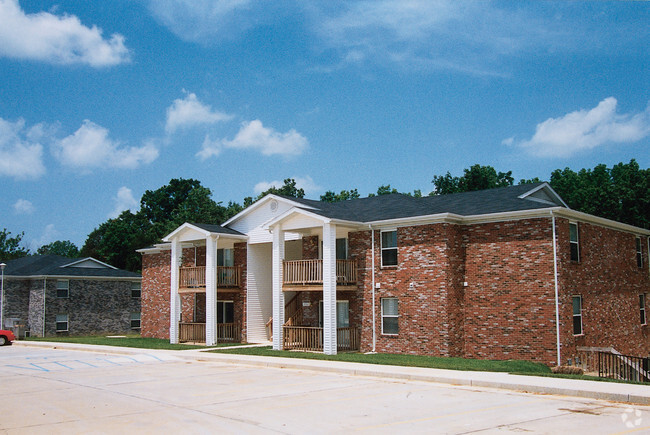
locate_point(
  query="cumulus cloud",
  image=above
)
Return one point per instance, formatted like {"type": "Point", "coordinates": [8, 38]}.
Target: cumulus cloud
{"type": "Point", "coordinates": [587, 129]}
{"type": "Point", "coordinates": [124, 200]}
{"type": "Point", "coordinates": [23, 206]}
{"type": "Point", "coordinates": [254, 136]}
{"type": "Point", "coordinates": [21, 154]}
{"type": "Point", "coordinates": [305, 183]}
{"type": "Point", "coordinates": [56, 39]}
{"type": "Point", "coordinates": [90, 147]}
{"type": "Point", "coordinates": [190, 112]}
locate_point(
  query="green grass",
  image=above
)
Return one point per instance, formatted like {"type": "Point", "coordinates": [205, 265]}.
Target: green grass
{"type": "Point", "coordinates": [510, 366]}
{"type": "Point", "coordinates": [127, 341]}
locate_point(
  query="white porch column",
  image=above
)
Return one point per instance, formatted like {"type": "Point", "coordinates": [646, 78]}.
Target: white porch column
{"type": "Point", "coordinates": [211, 290]}
{"type": "Point", "coordinates": [278, 295]}
{"type": "Point", "coordinates": [329, 289]}
{"type": "Point", "coordinates": [174, 297]}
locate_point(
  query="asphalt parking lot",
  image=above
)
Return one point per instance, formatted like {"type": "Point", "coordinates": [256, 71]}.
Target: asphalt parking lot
{"type": "Point", "coordinates": [63, 391]}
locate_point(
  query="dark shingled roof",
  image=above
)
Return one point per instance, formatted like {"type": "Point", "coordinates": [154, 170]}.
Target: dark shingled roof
{"type": "Point", "coordinates": [52, 265]}
{"type": "Point", "coordinates": [217, 229]}
{"type": "Point", "coordinates": [396, 206]}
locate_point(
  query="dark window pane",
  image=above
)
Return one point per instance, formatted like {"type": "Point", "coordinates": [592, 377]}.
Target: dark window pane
{"type": "Point", "coordinates": [390, 325]}
{"type": "Point", "coordinates": [573, 232]}
{"type": "Point", "coordinates": [389, 257]}
{"type": "Point", "coordinates": [574, 252]}
{"type": "Point", "coordinates": [577, 305]}
{"type": "Point", "coordinates": [577, 325]}
{"type": "Point", "coordinates": [389, 239]}
{"type": "Point", "coordinates": [230, 312]}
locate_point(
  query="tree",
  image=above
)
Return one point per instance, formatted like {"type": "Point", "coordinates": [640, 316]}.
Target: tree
{"type": "Point", "coordinates": [477, 177]}
{"type": "Point", "coordinates": [289, 189]}
{"type": "Point", "coordinates": [64, 248]}
{"type": "Point", "coordinates": [330, 196]}
{"type": "Point", "coordinates": [621, 193]}
{"type": "Point", "coordinates": [10, 248]}
{"type": "Point", "coordinates": [530, 180]}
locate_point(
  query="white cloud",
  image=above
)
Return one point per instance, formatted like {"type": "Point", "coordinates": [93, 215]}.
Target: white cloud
{"type": "Point", "coordinates": [56, 39]}
{"type": "Point", "coordinates": [254, 136]}
{"type": "Point", "coordinates": [21, 156]}
{"type": "Point", "coordinates": [587, 129]}
{"type": "Point", "coordinates": [23, 206]}
{"type": "Point", "coordinates": [90, 146]}
{"type": "Point", "coordinates": [50, 234]}
{"type": "Point", "coordinates": [190, 112]}
{"type": "Point", "coordinates": [124, 201]}
{"type": "Point", "coordinates": [305, 183]}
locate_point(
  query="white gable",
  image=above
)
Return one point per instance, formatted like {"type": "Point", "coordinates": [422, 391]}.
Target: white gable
{"type": "Point", "coordinates": [252, 220]}
{"type": "Point", "coordinates": [89, 263]}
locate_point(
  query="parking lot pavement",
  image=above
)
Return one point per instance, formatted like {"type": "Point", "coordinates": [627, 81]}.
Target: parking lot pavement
{"type": "Point", "coordinates": [63, 391]}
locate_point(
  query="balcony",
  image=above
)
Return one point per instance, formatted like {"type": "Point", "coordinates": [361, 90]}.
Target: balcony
{"type": "Point", "coordinates": [307, 275]}
{"type": "Point", "coordinates": [195, 332]}
{"type": "Point", "coordinates": [311, 339]}
{"type": "Point", "coordinates": [192, 279]}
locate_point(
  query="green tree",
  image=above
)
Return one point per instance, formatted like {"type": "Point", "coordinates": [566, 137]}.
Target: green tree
{"type": "Point", "coordinates": [330, 196]}
{"type": "Point", "coordinates": [530, 180]}
{"type": "Point", "coordinates": [10, 248]}
{"type": "Point", "coordinates": [289, 189]}
{"type": "Point", "coordinates": [477, 177]}
{"type": "Point", "coordinates": [64, 248]}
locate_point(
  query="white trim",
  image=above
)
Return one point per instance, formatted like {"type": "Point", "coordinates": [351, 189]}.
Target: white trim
{"type": "Point", "coordinates": [260, 203]}
{"type": "Point", "coordinates": [155, 249]}
{"type": "Point", "coordinates": [577, 242]}
{"type": "Point", "coordinates": [557, 297]}
{"type": "Point", "coordinates": [547, 187]}
{"type": "Point", "coordinates": [89, 259]}
{"type": "Point", "coordinates": [396, 316]}
{"type": "Point", "coordinates": [204, 233]}
{"type": "Point", "coordinates": [381, 247]}
{"type": "Point", "coordinates": [573, 315]}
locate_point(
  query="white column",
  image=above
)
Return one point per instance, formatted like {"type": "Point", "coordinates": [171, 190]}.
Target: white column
{"type": "Point", "coordinates": [329, 289]}
{"type": "Point", "coordinates": [211, 290]}
{"type": "Point", "coordinates": [278, 295]}
{"type": "Point", "coordinates": [174, 298]}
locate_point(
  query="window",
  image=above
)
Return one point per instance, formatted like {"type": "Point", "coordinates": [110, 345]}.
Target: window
{"type": "Point", "coordinates": [225, 312]}
{"type": "Point", "coordinates": [389, 316]}
{"type": "Point", "coordinates": [644, 320]}
{"type": "Point", "coordinates": [342, 314]}
{"type": "Point", "coordinates": [136, 290]}
{"type": "Point", "coordinates": [389, 248]}
{"type": "Point", "coordinates": [62, 288]}
{"type": "Point", "coordinates": [226, 257]}
{"type": "Point", "coordinates": [577, 315]}
{"type": "Point", "coordinates": [341, 249]}
{"type": "Point", "coordinates": [639, 253]}
{"type": "Point", "coordinates": [135, 320]}
{"type": "Point", "coordinates": [573, 239]}
{"type": "Point", "coordinates": [61, 322]}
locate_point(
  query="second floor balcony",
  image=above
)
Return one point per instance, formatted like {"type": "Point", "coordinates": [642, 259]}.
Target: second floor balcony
{"type": "Point", "coordinates": [308, 274]}
{"type": "Point", "coordinates": [192, 279]}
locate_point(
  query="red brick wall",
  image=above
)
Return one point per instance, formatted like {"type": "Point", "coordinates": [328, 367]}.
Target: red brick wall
{"type": "Point", "coordinates": [609, 281]}
{"type": "Point", "coordinates": [509, 299]}
{"type": "Point", "coordinates": [310, 248]}
{"type": "Point", "coordinates": [155, 295]}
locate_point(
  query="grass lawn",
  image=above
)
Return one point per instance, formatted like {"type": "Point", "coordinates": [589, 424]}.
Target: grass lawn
{"type": "Point", "coordinates": [510, 366]}
{"type": "Point", "coordinates": [124, 341]}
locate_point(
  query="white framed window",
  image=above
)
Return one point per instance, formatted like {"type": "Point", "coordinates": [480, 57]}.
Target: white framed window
{"type": "Point", "coordinates": [577, 315]}
{"type": "Point", "coordinates": [61, 322]}
{"type": "Point", "coordinates": [389, 248]}
{"type": "Point", "coordinates": [389, 316]}
{"type": "Point", "coordinates": [136, 289]}
{"type": "Point", "coordinates": [642, 315]}
{"type": "Point", "coordinates": [639, 253]}
{"type": "Point", "coordinates": [342, 314]}
{"type": "Point", "coordinates": [62, 288]}
{"type": "Point", "coordinates": [225, 312]}
{"type": "Point", "coordinates": [574, 241]}
{"type": "Point", "coordinates": [135, 320]}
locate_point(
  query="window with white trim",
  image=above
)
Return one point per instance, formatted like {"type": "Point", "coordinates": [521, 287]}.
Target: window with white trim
{"type": "Point", "coordinates": [389, 248]}
{"type": "Point", "coordinates": [639, 253]}
{"type": "Point", "coordinates": [135, 320]}
{"type": "Point", "coordinates": [62, 288]}
{"type": "Point", "coordinates": [577, 315]}
{"type": "Point", "coordinates": [136, 290]}
{"type": "Point", "coordinates": [574, 242]}
{"type": "Point", "coordinates": [389, 316]}
{"type": "Point", "coordinates": [61, 322]}
{"type": "Point", "coordinates": [642, 315]}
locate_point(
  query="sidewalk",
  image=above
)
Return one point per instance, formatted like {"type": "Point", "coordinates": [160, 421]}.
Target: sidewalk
{"type": "Point", "coordinates": [630, 393]}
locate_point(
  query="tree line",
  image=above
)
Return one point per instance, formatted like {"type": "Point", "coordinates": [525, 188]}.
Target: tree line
{"type": "Point", "coordinates": [620, 193]}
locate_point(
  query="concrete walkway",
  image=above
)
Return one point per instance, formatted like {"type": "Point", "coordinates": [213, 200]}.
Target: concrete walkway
{"type": "Point", "coordinates": [617, 392]}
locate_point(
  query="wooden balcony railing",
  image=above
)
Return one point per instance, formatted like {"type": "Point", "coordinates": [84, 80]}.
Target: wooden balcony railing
{"type": "Point", "coordinates": [195, 332]}
{"type": "Point", "coordinates": [307, 272]}
{"type": "Point", "coordinates": [311, 339]}
{"type": "Point", "coordinates": [194, 277]}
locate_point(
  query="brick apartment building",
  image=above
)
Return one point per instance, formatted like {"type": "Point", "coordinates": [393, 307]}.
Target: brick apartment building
{"type": "Point", "coordinates": [508, 273]}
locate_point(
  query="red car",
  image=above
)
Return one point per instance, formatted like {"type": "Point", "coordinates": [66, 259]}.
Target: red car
{"type": "Point", "coordinates": [6, 337]}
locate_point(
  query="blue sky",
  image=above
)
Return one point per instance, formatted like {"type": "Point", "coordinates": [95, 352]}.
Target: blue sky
{"type": "Point", "coordinates": [101, 101]}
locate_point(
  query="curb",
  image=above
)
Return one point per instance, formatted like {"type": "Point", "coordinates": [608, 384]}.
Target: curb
{"type": "Point", "coordinates": [615, 392]}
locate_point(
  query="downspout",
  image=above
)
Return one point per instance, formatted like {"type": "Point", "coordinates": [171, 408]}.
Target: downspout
{"type": "Point", "coordinates": [557, 303]}
{"type": "Point", "coordinates": [44, 287]}
{"type": "Point", "coordinates": [374, 309]}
